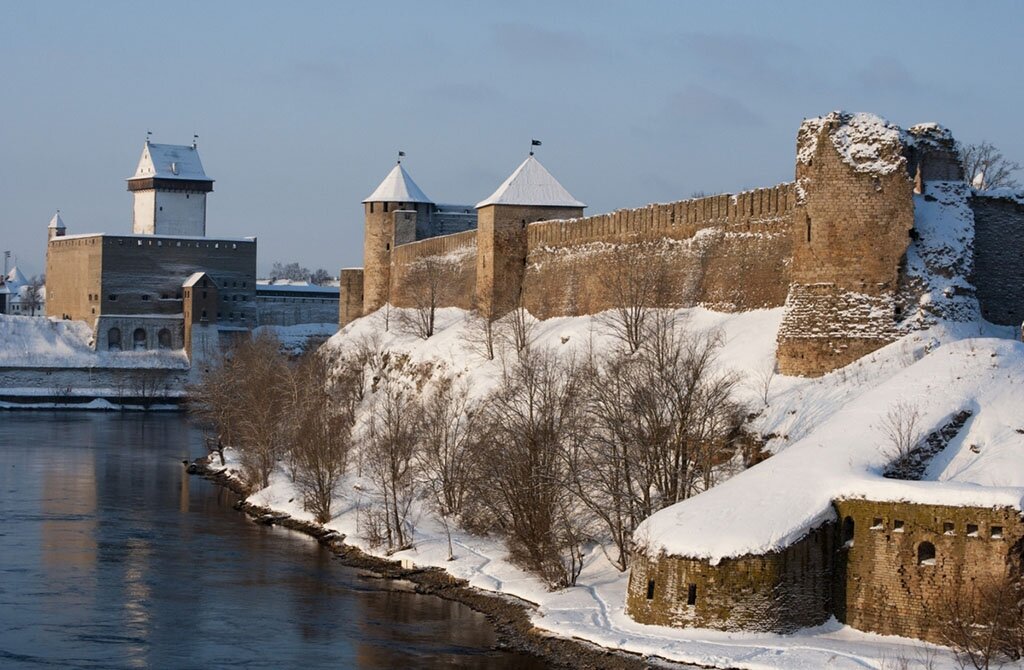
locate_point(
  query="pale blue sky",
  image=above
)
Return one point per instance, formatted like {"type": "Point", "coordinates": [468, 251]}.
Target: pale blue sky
{"type": "Point", "coordinates": [300, 107]}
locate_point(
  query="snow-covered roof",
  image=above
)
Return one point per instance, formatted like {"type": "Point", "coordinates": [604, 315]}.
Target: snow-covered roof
{"type": "Point", "coordinates": [16, 278]}
{"type": "Point", "coordinates": [56, 222]}
{"type": "Point", "coordinates": [170, 161]}
{"type": "Point", "coordinates": [398, 186]}
{"type": "Point", "coordinates": [531, 184]}
{"type": "Point", "coordinates": [194, 278]}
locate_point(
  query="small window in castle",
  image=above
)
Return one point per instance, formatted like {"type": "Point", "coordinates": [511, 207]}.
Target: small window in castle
{"type": "Point", "coordinates": [848, 531]}
{"type": "Point", "coordinates": [650, 589]}
{"type": "Point", "coordinates": [204, 314]}
{"type": "Point", "coordinates": [691, 595]}
{"type": "Point", "coordinates": [926, 553]}
{"type": "Point", "coordinates": [243, 284]}
{"type": "Point", "coordinates": [972, 530]}
{"type": "Point", "coordinates": [112, 297]}
{"type": "Point", "coordinates": [948, 528]}
{"type": "Point", "coordinates": [161, 208]}
{"type": "Point", "coordinates": [140, 243]}
{"type": "Point", "coordinates": [204, 292]}
{"type": "Point", "coordinates": [808, 230]}
{"type": "Point", "coordinates": [877, 523]}
{"type": "Point", "coordinates": [996, 532]}
{"type": "Point", "coordinates": [145, 296]}
{"type": "Point", "coordinates": [897, 526]}
{"type": "Point", "coordinates": [387, 247]}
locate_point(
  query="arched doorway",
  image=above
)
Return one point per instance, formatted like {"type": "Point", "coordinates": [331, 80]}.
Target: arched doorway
{"type": "Point", "coordinates": [114, 339]}
{"type": "Point", "coordinates": [139, 339]}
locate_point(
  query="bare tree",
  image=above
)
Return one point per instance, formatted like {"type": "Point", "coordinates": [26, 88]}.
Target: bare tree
{"type": "Point", "coordinates": [388, 453]}
{"type": "Point", "coordinates": [425, 282]}
{"type": "Point", "coordinates": [637, 286]}
{"type": "Point", "coordinates": [481, 334]}
{"type": "Point", "coordinates": [762, 378]}
{"type": "Point", "coordinates": [449, 422]}
{"type": "Point", "coordinates": [986, 168]}
{"type": "Point", "coordinates": [320, 277]}
{"type": "Point", "coordinates": [534, 428]}
{"type": "Point", "coordinates": [517, 330]}
{"type": "Point", "coordinates": [901, 427]}
{"type": "Point", "coordinates": [32, 295]}
{"type": "Point", "coordinates": [290, 271]}
{"type": "Point", "coordinates": [321, 418]}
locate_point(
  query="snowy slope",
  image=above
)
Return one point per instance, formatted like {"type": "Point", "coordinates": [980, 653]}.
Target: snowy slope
{"type": "Point", "coordinates": [36, 341]}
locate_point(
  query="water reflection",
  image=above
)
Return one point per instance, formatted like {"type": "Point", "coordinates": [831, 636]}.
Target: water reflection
{"type": "Point", "coordinates": [112, 557]}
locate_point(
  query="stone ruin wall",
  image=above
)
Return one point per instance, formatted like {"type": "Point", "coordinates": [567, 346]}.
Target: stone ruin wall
{"type": "Point", "coordinates": [778, 591]}
{"type": "Point", "coordinates": [448, 264]}
{"type": "Point", "coordinates": [727, 252]}
{"type": "Point", "coordinates": [882, 586]}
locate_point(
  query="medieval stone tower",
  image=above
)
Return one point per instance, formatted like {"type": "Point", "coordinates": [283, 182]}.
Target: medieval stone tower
{"type": "Point", "coordinates": [391, 213]}
{"type": "Point", "coordinates": [169, 191]}
{"type": "Point", "coordinates": [530, 194]}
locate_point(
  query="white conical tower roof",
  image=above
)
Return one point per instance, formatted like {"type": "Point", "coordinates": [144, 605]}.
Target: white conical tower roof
{"type": "Point", "coordinates": [531, 184]}
{"type": "Point", "coordinates": [16, 278]}
{"type": "Point", "coordinates": [398, 186]}
{"type": "Point", "coordinates": [56, 222]}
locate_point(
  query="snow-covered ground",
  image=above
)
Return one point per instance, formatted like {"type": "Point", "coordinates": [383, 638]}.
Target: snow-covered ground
{"type": "Point", "coordinates": [40, 342]}
{"type": "Point", "coordinates": [295, 338]}
{"type": "Point", "coordinates": [827, 443]}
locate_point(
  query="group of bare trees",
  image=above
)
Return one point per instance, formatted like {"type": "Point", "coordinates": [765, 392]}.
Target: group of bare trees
{"type": "Point", "coordinates": [270, 408]}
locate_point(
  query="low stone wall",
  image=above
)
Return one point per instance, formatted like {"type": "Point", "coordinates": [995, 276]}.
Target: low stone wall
{"type": "Point", "coordinates": [779, 591]}
{"type": "Point", "coordinates": [884, 584]}
{"type": "Point", "coordinates": [73, 384]}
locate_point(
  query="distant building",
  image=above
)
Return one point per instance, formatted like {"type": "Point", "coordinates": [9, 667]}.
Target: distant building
{"type": "Point", "coordinates": [139, 290]}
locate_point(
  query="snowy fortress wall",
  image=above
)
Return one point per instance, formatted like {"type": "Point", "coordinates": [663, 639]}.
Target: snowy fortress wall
{"type": "Point", "coordinates": [445, 265]}
{"type": "Point", "coordinates": [728, 252]}
{"type": "Point", "coordinates": [999, 258]}
{"type": "Point", "coordinates": [779, 591]}
{"type": "Point", "coordinates": [902, 564]}
{"type": "Point", "coordinates": [885, 567]}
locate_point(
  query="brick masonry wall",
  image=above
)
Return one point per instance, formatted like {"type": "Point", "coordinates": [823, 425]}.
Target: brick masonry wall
{"type": "Point", "coordinates": [779, 591]}
{"type": "Point", "coordinates": [451, 258]}
{"type": "Point", "coordinates": [73, 271]}
{"type": "Point", "coordinates": [350, 303]}
{"type": "Point", "coordinates": [999, 258]}
{"type": "Point", "coordinates": [882, 587]}
{"type": "Point", "coordinates": [727, 252]}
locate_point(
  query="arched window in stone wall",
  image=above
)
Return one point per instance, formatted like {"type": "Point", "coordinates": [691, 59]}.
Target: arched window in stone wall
{"type": "Point", "coordinates": [163, 338]}
{"type": "Point", "coordinates": [848, 527]}
{"type": "Point", "coordinates": [114, 339]}
{"type": "Point", "coordinates": [926, 553]}
{"type": "Point", "coordinates": [139, 339]}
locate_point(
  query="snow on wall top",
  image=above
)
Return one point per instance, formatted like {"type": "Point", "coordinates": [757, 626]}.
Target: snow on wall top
{"type": "Point", "coordinates": [866, 142]}
{"type": "Point", "coordinates": [531, 184]}
{"type": "Point", "coordinates": [398, 186]}
{"type": "Point", "coordinates": [779, 501]}
{"type": "Point", "coordinates": [170, 161]}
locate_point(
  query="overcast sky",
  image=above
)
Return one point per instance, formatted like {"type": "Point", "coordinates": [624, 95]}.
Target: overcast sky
{"type": "Point", "coordinates": [301, 107]}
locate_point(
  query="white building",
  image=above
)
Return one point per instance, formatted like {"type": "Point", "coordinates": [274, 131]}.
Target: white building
{"type": "Point", "coordinates": [169, 190]}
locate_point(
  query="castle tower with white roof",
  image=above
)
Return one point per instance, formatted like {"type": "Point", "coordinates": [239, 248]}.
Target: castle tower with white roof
{"type": "Point", "coordinates": [530, 194]}
{"type": "Point", "coordinates": [169, 190]}
{"type": "Point", "coordinates": [391, 213]}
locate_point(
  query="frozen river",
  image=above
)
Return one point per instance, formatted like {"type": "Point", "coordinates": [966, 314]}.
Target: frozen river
{"type": "Point", "coordinates": [111, 556]}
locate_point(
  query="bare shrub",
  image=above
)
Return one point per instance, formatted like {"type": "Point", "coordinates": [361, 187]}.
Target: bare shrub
{"type": "Point", "coordinates": [982, 622]}
{"type": "Point", "coordinates": [534, 425]}
{"type": "Point", "coordinates": [241, 397]}
{"type": "Point", "coordinates": [517, 330]}
{"type": "Point", "coordinates": [481, 334]}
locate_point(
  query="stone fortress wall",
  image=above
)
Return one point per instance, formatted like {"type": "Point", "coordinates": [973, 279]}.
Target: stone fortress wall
{"type": "Point", "coordinates": [831, 247]}
{"type": "Point", "coordinates": [884, 567]}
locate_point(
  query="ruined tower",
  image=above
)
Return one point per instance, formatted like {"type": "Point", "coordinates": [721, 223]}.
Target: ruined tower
{"type": "Point", "coordinates": [851, 229]}
{"type": "Point", "coordinates": [169, 191]}
{"type": "Point", "coordinates": [530, 194]}
{"type": "Point", "coordinates": [391, 213]}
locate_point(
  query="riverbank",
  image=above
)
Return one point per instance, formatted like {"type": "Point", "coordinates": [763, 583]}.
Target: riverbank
{"type": "Point", "coordinates": [509, 615]}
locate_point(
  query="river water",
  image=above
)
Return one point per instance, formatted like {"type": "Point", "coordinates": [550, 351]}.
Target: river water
{"type": "Point", "coordinates": [111, 556]}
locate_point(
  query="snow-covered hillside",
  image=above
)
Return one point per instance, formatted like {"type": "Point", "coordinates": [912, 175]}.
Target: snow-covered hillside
{"type": "Point", "coordinates": [39, 342]}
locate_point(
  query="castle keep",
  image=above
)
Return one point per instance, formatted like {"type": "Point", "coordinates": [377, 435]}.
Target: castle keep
{"type": "Point", "coordinates": [832, 246]}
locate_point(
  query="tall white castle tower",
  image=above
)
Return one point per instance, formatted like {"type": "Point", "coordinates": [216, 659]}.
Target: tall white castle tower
{"type": "Point", "coordinates": [169, 191]}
